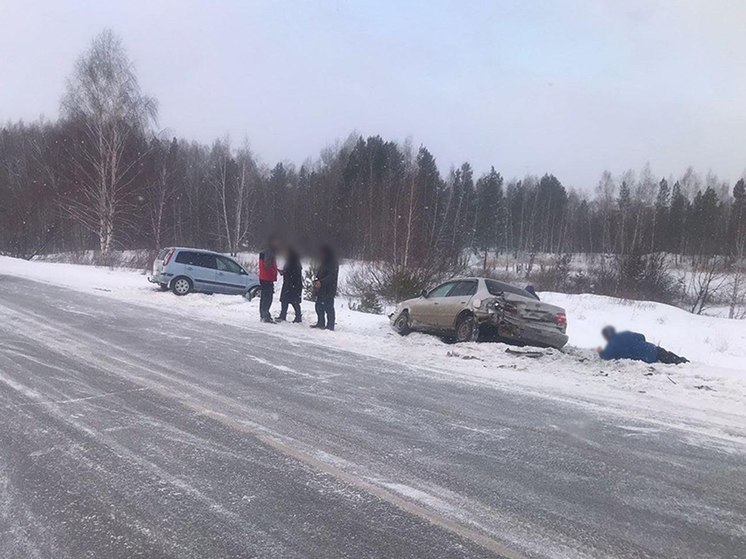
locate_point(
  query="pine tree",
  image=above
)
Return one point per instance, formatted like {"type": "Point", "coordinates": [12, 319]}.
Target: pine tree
{"type": "Point", "coordinates": [677, 220]}
{"type": "Point", "coordinates": [489, 222]}
{"type": "Point", "coordinates": [737, 221]}
{"type": "Point", "coordinates": [660, 216]}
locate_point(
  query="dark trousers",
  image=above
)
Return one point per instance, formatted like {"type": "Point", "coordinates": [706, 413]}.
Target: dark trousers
{"type": "Point", "coordinates": [267, 293]}
{"type": "Point", "coordinates": [284, 310]}
{"type": "Point", "coordinates": [669, 358]}
{"type": "Point", "coordinates": [325, 312]}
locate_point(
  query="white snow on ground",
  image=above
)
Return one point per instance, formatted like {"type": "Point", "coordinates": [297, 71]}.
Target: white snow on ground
{"type": "Point", "coordinates": [706, 397]}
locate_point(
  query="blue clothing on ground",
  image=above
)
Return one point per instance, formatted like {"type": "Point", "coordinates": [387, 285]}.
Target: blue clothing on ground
{"type": "Point", "coordinates": [630, 345]}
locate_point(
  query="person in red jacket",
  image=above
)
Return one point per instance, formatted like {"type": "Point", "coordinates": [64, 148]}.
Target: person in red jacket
{"type": "Point", "coordinates": [268, 277]}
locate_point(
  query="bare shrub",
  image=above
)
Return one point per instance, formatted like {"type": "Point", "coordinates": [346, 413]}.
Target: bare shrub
{"type": "Point", "coordinates": [604, 277]}
{"type": "Point", "coordinates": [579, 282]}
{"type": "Point", "coordinates": [136, 259]}
{"type": "Point", "coordinates": [84, 257]}
{"type": "Point", "coordinates": [392, 282]}
{"type": "Point", "coordinates": [646, 276]}
{"type": "Point", "coordinates": [369, 303]}
{"type": "Point", "coordinates": [707, 281]}
{"type": "Point", "coordinates": [309, 274]}
{"type": "Point", "coordinates": [555, 276]}
{"type": "Point", "coordinates": [737, 300]}
{"type": "Point", "coordinates": [248, 264]}
{"type": "Point", "coordinates": [630, 276]}
{"type": "Point", "coordinates": [736, 289]}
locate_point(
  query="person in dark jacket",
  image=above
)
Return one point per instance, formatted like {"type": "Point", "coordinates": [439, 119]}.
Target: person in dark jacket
{"type": "Point", "coordinates": [632, 345]}
{"type": "Point", "coordinates": [268, 277]}
{"type": "Point", "coordinates": [532, 291]}
{"type": "Point", "coordinates": [292, 285]}
{"type": "Point", "coordinates": [325, 288]}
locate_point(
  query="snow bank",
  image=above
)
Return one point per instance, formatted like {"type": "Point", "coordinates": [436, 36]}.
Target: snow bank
{"type": "Point", "coordinates": [712, 340]}
{"type": "Point", "coordinates": [707, 396]}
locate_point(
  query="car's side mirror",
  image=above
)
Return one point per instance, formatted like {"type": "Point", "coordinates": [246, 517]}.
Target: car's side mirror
{"type": "Point", "coordinates": [423, 294]}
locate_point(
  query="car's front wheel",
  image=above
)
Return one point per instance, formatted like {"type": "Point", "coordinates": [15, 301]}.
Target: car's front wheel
{"type": "Point", "coordinates": [181, 286]}
{"type": "Point", "coordinates": [467, 328]}
{"type": "Point", "coordinates": [402, 324]}
{"type": "Point", "coordinates": [252, 293]}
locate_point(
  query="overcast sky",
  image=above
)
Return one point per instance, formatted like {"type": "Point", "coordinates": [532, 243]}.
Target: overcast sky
{"type": "Point", "coordinates": [570, 87]}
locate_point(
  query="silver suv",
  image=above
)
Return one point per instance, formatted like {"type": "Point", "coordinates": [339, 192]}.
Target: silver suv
{"type": "Point", "coordinates": [183, 270]}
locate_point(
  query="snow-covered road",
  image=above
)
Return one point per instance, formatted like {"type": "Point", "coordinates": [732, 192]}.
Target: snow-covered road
{"type": "Point", "coordinates": [129, 431]}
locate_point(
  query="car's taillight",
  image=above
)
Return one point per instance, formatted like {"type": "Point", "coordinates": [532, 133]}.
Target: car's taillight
{"type": "Point", "coordinates": [168, 256]}
{"type": "Point", "coordinates": [561, 319]}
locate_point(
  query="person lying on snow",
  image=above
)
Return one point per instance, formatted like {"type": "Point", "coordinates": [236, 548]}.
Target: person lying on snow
{"type": "Point", "coordinates": [631, 345]}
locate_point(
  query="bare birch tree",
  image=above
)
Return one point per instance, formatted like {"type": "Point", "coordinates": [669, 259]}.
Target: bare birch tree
{"type": "Point", "coordinates": [104, 99]}
{"type": "Point", "coordinates": [232, 179]}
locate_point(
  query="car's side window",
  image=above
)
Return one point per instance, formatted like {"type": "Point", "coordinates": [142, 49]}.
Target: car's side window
{"type": "Point", "coordinates": [464, 288]}
{"type": "Point", "coordinates": [228, 265]}
{"type": "Point", "coordinates": [186, 257]}
{"type": "Point", "coordinates": [204, 260]}
{"type": "Point", "coordinates": [441, 290]}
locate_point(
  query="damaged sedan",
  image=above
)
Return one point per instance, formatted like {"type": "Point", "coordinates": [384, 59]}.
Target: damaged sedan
{"type": "Point", "coordinates": [468, 309]}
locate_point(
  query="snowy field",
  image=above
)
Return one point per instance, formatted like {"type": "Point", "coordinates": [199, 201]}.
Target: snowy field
{"type": "Point", "coordinates": [706, 397]}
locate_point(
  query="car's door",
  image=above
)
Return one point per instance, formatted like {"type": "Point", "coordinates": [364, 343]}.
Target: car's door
{"type": "Point", "coordinates": [454, 302]}
{"type": "Point", "coordinates": [230, 277]}
{"type": "Point", "coordinates": [425, 312]}
{"type": "Point", "coordinates": [203, 271]}
{"type": "Point", "coordinates": [184, 264]}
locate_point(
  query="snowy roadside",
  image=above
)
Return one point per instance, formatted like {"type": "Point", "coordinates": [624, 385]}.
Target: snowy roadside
{"type": "Point", "coordinates": [707, 397]}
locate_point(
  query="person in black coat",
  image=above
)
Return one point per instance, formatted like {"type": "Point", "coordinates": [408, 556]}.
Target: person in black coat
{"type": "Point", "coordinates": [292, 285]}
{"type": "Point", "coordinates": [325, 288]}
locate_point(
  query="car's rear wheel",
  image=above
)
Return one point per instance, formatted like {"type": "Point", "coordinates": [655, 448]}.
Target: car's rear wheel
{"type": "Point", "coordinates": [467, 328]}
{"type": "Point", "coordinates": [181, 286]}
{"type": "Point", "coordinates": [402, 324]}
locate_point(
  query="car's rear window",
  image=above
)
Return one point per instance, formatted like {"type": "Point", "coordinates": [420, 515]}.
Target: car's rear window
{"type": "Point", "coordinates": [498, 287]}
{"type": "Point", "coordinates": [162, 254]}
{"type": "Point", "coordinates": [201, 259]}
{"type": "Point", "coordinates": [186, 257]}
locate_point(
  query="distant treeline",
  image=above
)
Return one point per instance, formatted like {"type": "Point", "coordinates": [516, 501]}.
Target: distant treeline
{"type": "Point", "coordinates": [99, 177]}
